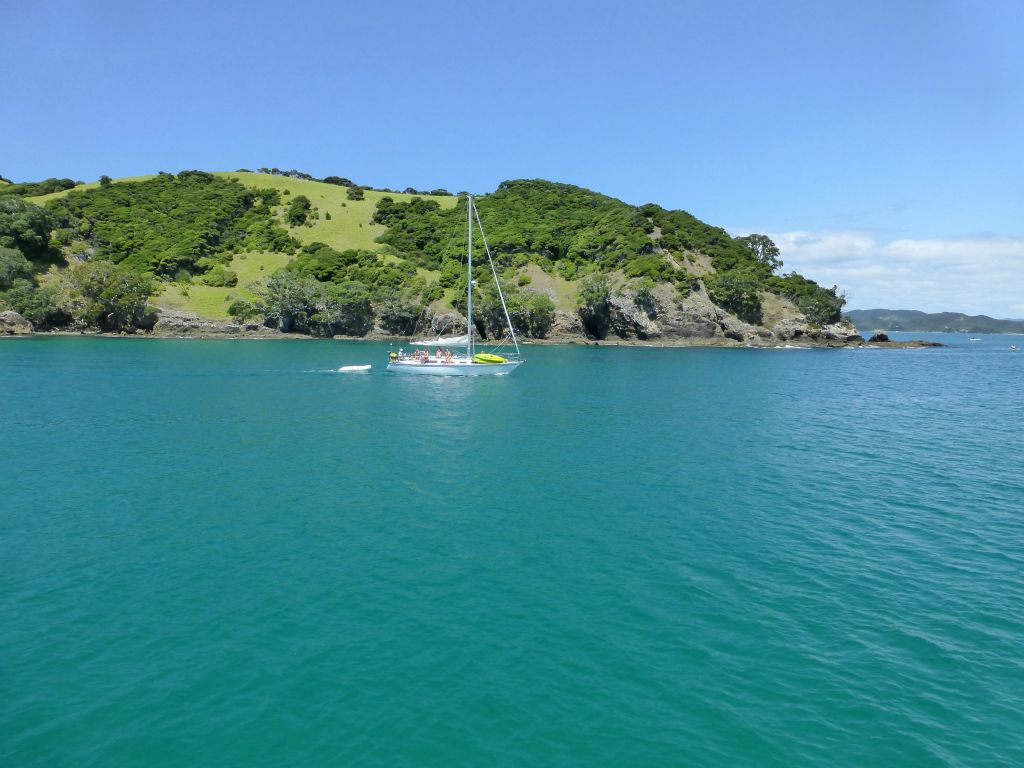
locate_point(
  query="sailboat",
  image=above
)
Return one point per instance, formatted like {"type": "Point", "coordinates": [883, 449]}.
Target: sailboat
{"type": "Point", "coordinates": [469, 362]}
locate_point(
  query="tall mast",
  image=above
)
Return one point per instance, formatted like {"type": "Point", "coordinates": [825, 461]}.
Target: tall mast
{"type": "Point", "coordinates": [469, 279]}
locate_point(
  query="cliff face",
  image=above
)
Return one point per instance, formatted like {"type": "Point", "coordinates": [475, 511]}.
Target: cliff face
{"type": "Point", "coordinates": [696, 320]}
{"type": "Point", "coordinates": [664, 318]}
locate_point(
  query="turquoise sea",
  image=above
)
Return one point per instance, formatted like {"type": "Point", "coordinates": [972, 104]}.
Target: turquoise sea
{"type": "Point", "coordinates": [224, 553]}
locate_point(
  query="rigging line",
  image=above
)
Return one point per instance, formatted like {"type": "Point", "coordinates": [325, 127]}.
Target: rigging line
{"type": "Point", "coordinates": [451, 237]}
{"type": "Point", "coordinates": [497, 282]}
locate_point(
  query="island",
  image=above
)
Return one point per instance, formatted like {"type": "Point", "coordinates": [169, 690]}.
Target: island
{"type": "Point", "coordinates": [276, 253]}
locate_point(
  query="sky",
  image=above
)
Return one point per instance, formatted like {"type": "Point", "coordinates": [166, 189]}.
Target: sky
{"type": "Point", "coordinates": [878, 143]}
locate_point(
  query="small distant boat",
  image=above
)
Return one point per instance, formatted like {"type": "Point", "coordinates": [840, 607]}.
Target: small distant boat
{"type": "Point", "coordinates": [354, 368]}
{"type": "Point", "coordinates": [975, 338]}
{"type": "Point", "coordinates": [1014, 348]}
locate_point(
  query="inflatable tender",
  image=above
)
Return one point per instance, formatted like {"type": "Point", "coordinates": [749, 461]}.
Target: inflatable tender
{"type": "Point", "coordinates": [486, 357]}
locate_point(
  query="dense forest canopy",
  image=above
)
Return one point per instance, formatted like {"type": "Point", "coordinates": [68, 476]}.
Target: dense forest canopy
{"type": "Point", "coordinates": [188, 223]}
{"type": "Point", "coordinates": [32, 189]}
{"type": "Point", "coordinates": [574, 232]}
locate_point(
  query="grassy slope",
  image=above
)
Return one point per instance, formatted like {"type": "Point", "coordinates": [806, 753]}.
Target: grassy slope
{"type": "Point", "coordinates": [348, 227]}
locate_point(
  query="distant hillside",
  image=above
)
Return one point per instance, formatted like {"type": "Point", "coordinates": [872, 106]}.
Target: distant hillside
{"type": "Point", "coordinates": [868, 320]}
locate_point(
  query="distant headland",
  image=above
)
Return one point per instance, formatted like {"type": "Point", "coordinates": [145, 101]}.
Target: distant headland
{"type": "Point", "coordinates": [870, 320]}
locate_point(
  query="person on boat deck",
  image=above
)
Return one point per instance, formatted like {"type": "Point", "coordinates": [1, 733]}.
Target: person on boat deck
{"type": "Point", "coordinates": [448, 356]}
{"type": "Point", "coordinates": [440, 354]}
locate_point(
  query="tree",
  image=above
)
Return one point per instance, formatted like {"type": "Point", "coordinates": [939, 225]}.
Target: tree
{"type": "Point", "coordinates": [287, 300]}
{"type": "Point", "coordinates": [243, 310]}
{"type": "Point", "coordinates": [824, 306]}
{"type": "Point", "coordinates": [762, 248]}
{"type": "Point", "coordinates": [107, 295]}
{"type": "Point", "coordinates": [399, 311]}
{"type": "Point", "coordinates": [595, 291]}
{"type": "Point", "coordinates": [594, 304]}
{"type": "Point", "coordinates": [451, 271]}
{"type": "Point", "coordinates": [354, 193]}
{"type": "Point", "coordinates": [31, 189]}
{"type": "Point", "coordinates": [105, 180]}
{"type": "Point", "coordinates": [644, 288]}
{"type": "Point", "coordinates": [738, 292]}
{"type": "Point", "coordinates": [44, 306]}
{"type": "Point", "coordinates": [220, 277]}
{"type": "Point", "coordinates": [542, 314]}
{"type": "Point", "coordinates": [25, 227]}
{"type": "Point", "coordinates": [345, 309]}
{"type": "Point", "coordinates": [298, 210]}
{"type": "Point", "coordinates": [13, 266]}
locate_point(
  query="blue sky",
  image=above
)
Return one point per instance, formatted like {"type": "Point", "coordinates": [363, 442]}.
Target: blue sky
{"type": "Point", "coordinates": [863, 136]}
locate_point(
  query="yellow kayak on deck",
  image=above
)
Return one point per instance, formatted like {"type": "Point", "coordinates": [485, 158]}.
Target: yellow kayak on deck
{"type": "Point", "coordinates": [486, 357]}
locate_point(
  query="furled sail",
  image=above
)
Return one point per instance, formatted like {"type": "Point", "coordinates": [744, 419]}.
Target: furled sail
{"type": "Point", "coordinates": [444, 341]}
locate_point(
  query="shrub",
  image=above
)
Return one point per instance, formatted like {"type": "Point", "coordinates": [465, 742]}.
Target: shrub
{"type": "Point", "coordinates": [44, 306]}
{"type": "Point", "coordinates": [220, 278]}
{"type": "Point", "coordinates": [819, 305]}
{"type": "Point", "coordinates": [824, 307]}
{"type": "Point", "coordinates": [594, 291]}
{"type": "Point", "coordinates": [31, 189]}
{"type": "Point", "coordinates": [594, 307]}
{"type": "Point", "coordinates": [298, 210]}
{"type": "Point", "coordinates": [451, 271]}
{"type": "Point", "coordinates": [25, 227]}
{"type": "Point", "coordinates": [542, 314]}
{"type": "Point", "coordinates": [399, 312]}
{"type": "Point", "coordinates": [13, 266]}
{"type": "Point", "coordinates": [108, 295]}
{"type": "Point", "coordinates": [345, 309]}
{"type": "Point", "coordinates": [355, 193]}
{"type": "Point", "coordinates": [644, 288]}
{"type": "Point", "coordinates": [738, 292]}
{"type": "Point", "coordinates": [566, 269]}
{"type": "Point", "coordinates": [243, 310]}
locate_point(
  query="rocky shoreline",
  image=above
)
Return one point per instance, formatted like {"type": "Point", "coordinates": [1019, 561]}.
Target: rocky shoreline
{"type": "Point", "coordinates": [719, 330]}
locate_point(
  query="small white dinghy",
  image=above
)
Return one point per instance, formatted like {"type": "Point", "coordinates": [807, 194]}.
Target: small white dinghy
{"type": "Point", "coordinates": [354, 368]}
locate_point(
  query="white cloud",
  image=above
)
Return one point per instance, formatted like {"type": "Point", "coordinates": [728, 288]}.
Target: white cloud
{"type": "Point", "coordinates": [974, 275]}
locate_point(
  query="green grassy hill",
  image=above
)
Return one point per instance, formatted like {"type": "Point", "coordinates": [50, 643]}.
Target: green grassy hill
{"type": "Point", "coordinates": [329, 259]}
{"type": "Point", "coordinates": [350, 226]}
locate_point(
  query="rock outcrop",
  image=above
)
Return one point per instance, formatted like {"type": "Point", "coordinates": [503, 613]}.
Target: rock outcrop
{"type": "Point", "coordinates": [662, 315]}
{"type": "Point", "coordinates": [13, 324]}
{"type": "Point", "coordinates": [179, 324]}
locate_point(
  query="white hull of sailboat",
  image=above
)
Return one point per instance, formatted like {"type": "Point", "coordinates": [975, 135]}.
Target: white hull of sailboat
{"type": "Point", "coordinates": [454, 368]}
